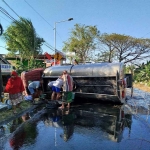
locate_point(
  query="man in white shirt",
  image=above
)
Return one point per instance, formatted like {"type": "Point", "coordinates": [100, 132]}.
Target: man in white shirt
{"type": "Point", "coordinates": [34, 87]}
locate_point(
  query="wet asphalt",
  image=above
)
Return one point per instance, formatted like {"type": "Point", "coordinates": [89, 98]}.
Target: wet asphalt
{"type": "Point", "coordinates": [90, 126]}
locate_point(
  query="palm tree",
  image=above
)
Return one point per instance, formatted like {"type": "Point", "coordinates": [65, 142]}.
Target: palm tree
{"type": "Point", "coordinates": [21, 38]}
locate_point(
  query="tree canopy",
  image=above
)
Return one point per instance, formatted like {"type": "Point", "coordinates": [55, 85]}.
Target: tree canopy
{"type": "Point", "coordinates": [124, 48]}
{"type": "Point", "coordinates": [21, 37]}
{"type": "Point", "coordinates": [82, 41]}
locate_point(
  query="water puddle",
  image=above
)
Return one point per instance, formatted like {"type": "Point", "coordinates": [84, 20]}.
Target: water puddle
{"type": "Point", "coordinates": [85, 126]}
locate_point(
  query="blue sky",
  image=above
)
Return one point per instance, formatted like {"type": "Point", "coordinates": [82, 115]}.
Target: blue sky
{"type": "Point", "coordinates": [128, 17]}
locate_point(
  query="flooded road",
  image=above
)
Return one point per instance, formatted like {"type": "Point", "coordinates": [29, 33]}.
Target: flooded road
{"type": "Point", "coordinates": [85, 126]}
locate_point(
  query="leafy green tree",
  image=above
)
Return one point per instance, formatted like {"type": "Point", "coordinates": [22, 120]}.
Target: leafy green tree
{"type": "Point", "coordinates": [125, 48]}
{"type": "Point", "coordinates": [105, 56]}
{"type": "Point", "coordinates": [21, 38]}
{"type": "Point", "coordinates": [31, 64]}
{"type": "Point", "coordinates": [130, 69]}
{"type": "Point", "coordinates": [107, 50]}
{"type": "Point", "coordinates": [82, 41]}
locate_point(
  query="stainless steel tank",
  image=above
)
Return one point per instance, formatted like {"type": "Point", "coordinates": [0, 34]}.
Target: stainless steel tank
{"type": "Point", "coordinates": [87, 70]}
{"type": "Point", "coordinates": [98, 80]}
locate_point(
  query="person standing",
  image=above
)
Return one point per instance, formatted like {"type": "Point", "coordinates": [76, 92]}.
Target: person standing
{"type": "Point", "coordinates": [67, 89]}
{"type": "Point", "coordinates": [34, 88]}
{"type": "Point", "coordinates": [15, 88]}
{"type": "Point", "coordinates": [56, 88]}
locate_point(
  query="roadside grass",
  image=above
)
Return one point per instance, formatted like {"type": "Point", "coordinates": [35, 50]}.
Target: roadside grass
{"type": "Point", "coordinates": [9, 112]}
{"type": "Point", "coordinates": [142, 87]}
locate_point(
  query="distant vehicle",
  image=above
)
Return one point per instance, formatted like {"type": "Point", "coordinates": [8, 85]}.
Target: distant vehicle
{"type": "Point", "coordinates": [100, 81]}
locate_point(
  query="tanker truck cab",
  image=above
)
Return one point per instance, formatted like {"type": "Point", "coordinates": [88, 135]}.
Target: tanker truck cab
{"type": "Point", "coordinates": [99, 81]}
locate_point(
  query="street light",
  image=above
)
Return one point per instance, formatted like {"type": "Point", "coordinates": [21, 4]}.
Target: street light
{"type": "Point", "coordinates": [55, 34]}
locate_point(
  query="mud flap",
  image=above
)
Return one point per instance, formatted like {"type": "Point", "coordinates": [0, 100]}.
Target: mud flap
{"type": "Point", "coordinates": [129, 80]}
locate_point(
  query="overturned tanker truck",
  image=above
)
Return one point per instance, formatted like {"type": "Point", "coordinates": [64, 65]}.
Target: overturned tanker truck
{"type": "Point", "coordinates": [100, 81]}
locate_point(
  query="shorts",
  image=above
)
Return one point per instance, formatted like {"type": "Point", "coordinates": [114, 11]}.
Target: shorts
{"type": "Point", "coordinates": [55, 89]}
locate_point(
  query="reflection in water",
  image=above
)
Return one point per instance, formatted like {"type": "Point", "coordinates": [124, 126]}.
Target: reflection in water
{"type": "Point", "coordinates": [26, 133]}
{"type": "Point", "coordinates": [63, 119]}
{"type": "Point", "coordinates": [17, 140]}
{"type": "Point", "coordinates": [25, 117]}
{"type": "Point", "coordinates": [68, 124]}
{"type": "Point", "coordinates": [90, 122]}
{"type": "Point", "coordinates": [111, 120]}
{"type": "Point", "coordinates": [15, 123]}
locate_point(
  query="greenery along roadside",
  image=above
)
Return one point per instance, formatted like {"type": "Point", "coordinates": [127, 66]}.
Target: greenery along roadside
{"type": "Point", "coordinates": [141, 74]}
{"type": "Point", "coordinates": [8, 113]}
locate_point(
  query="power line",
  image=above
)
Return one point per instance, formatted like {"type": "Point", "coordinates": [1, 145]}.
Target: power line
{"type": "Point", "coordinates": [11, 8]}
{"type": "Point", "coordinates": [8, 15]}
{"type": "Point", "coordinates": [145, 34]}
{"type": "Point", "coordinates": [49, 46]}
{"type": "Point", "coordinates": [38, 13]}
{"type": "Point", "coordinates": [42, 18]}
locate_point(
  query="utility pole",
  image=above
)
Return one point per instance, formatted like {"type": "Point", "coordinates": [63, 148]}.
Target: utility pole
{"type": "Point", "coordinates": [55, 35]}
